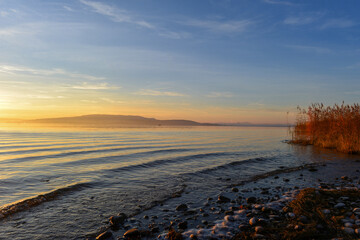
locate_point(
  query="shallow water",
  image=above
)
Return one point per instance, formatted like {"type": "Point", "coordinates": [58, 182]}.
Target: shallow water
{"type": "Point", "coordinates": [87, 175]}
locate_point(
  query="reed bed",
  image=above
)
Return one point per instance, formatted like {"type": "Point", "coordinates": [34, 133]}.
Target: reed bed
{"type": "Point", "coordinates": [336, 127]}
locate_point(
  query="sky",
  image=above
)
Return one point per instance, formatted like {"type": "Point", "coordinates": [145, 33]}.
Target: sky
{"type": "Point", "coordinates": [205, 60]}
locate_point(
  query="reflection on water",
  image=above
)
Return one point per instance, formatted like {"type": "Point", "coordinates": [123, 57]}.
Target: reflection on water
{"type": "Point", "coordinates": [127, 170]}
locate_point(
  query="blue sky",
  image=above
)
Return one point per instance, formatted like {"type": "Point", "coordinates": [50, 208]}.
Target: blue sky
{"type": "Point", "coordinates": [213, 61]}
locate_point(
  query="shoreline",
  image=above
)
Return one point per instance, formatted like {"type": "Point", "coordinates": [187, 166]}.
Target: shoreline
{"type": "Point", "coordinates": [219, 216]}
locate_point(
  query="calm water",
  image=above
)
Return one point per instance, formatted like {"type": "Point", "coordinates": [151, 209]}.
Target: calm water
{"type": "Point", "coordinates": [90, 175]}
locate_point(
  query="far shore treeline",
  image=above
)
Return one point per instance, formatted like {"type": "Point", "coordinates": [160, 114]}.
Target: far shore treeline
{"type": "Point", "coordinates": [336, 127]}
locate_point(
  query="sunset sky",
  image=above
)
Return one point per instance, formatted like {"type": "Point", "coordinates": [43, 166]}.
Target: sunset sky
{"type": "Point", "coordinates": [208, 61]}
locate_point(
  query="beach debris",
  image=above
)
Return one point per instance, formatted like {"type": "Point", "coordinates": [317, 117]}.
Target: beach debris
{"type": "Point", "coordinates": [132, 233]}
{"type": "Point", "coordinates": [105, 235]}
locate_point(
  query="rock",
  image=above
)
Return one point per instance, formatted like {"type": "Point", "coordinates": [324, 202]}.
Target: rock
{"type": "Point", "coordinates": [116, 220]}
{"type": "Point", "coordinates": [291, 215]}
{"type": "Point", "coordinates": [298, 227]}
{"type": "Point", "coordinates": [357, 231]}
{"type": "Point", "coordinates": [223, 199]}
{"type": "Point", "coordinates": [244, 227]}
{"type": "Point", "coordinates": [286, 180]}
{"type": "Point", "coordinates": [234, 189]}
{"type": "Point", "coordinates": [182, 207]}
{"type": "Point", "coordinates": [348, 224]}
{"type": "Point", "coordinates": [326, 211]}
{"type": "Point", "coordinates": [104, 235]}
{"type": "Point", "coordinates": [259, 236]}
{"type": "Point", "coordinates": [259, 229]}
{"type": "Point", "coordinates": [253, 221]}
{"type": "Point", "coordinates": [303, 219]}
{"type": "Point", "coordinates": [193, 236]}
{"type": "Point", "coordinates": [155, 229]}
{"type": "Point", "coordinates": [251, 200]}
{"type": "Point", "coordinates": [132, 233]}
{"type": "Point", "coordinates": [229, 212]}
{"type": "Point", "coordinates": [182, 225]}
{"type": "Point", "coordinates": [229, 218]}
{"type": "Point", "coordinates": [340, 205]}
{"type": "Point", "coordinates": [349, 230]}
{"type": "Point", "coordinates": [344, 178]}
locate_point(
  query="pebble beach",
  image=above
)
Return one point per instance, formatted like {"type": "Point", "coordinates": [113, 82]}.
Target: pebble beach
{"type": "Point", "coordinates": [250, 209]}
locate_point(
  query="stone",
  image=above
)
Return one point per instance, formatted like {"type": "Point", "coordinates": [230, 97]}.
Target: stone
{"type": "Point", "coordinates": [340, 205]}
{"type": "Point", "coordinates": [244, 227]}
{"type": "Point", "coordinates": [182, 225]}
{"type": "Point", "coordinates": [357, 231]}
{"type": "Point", "coordinates": [253, 221]}
{"type": "Point", "coordinates": [155, 229]}
{"type": "Point", "coordinates": [193, 236]}
{"type": "Point", "coordinates": [326, 211]}
{"type": "Point", "coordinates": [116, 220]}
{"type": "Point", "coordinates": [259, 236]}
{"type": "Point", "coordinates": [349, 230]}
{"type": "Point", "coordinates": [291, 215]}
{"type": "Point", "coordinates": [132, 233]}
{"type": "Point", "coordinates": [251, 200]}
{"type": "Point", "coordinates": [298, 227]}
{"type": "Point", "coordinates": [348, 224]}
{"type": "Point", "coordinates": [223, 199]}
{"type": "Point", "coordinates": [104, 235]}
{"type": "Point", "coordinates": [259, 229]}
{"type": "Point", "coordinates": [303, 219]}
{"type": "Point", "coordinates": [234, 189]}
{"type": "Point", "coordinates": [182, 207]}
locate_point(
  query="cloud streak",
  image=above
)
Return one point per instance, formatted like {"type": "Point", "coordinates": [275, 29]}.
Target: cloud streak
{"type": "Point", "coordinates": [87, 86]}
{"type": "Point", "coordinates": [338, 23]}
{"type": "Point", "coordinates": [277, 2]}
{"type": "Point", "coordinates": [235, 26]}
{"type": "Point", "coordinates": [150, 92]}
{"type": "Point", "coordinates": [116, 14]}
{"type": "Point", "coordinates": [303, 19]}
{"type": "Point", "coordinates": [220, 95]}
{"type": "Point", "coordinates": [13, 70]}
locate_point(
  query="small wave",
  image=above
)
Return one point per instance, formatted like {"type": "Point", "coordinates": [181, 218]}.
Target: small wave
{"type": "Point", "coordinates": [65, 154]}
{"type": "Point", "coordinates": [39, 199]}
{"type": "Point", "coordinates": [108, 159]}
{"type": "Point", "coordinates": [176, 160]}
{"type": "Point", "coordinates": [235, 163]}
{"type": "Point", "coordinates": [276, 172]}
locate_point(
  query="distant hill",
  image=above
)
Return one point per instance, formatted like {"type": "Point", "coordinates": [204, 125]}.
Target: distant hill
{"type": "Point", "coordinates": [102, 120]}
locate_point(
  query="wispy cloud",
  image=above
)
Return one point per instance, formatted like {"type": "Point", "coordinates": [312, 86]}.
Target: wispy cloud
{"type": "Point", "coordinates": [150, 92]}
{"type": "Point", "coordinates": [278, 2]}
{"type": "Point", "coordinates": [310, 48]}
{"type": "Point", "coordinates": [235, 26]}
{"type": "Point", "coordinates": [11, 69]}
{"type": "Point", "coordinates": [109, 100]}
{"type": "Point", "coordinates": [220, 95]}
{"type": "Point", "coordinates": [69, 8]}
{"type": "Point", "coordinates": [116, 14]}
{"type": "Point", "coordinates": [87, 86]}
{"type": "Point", "coordinates": [175, 35]}
{"type": "Point", "coordinates": [303, 19]}
{"type": "Point", "coordinates": [44, 97]}
{"type": "Point", "coordinates": [338, 23]}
